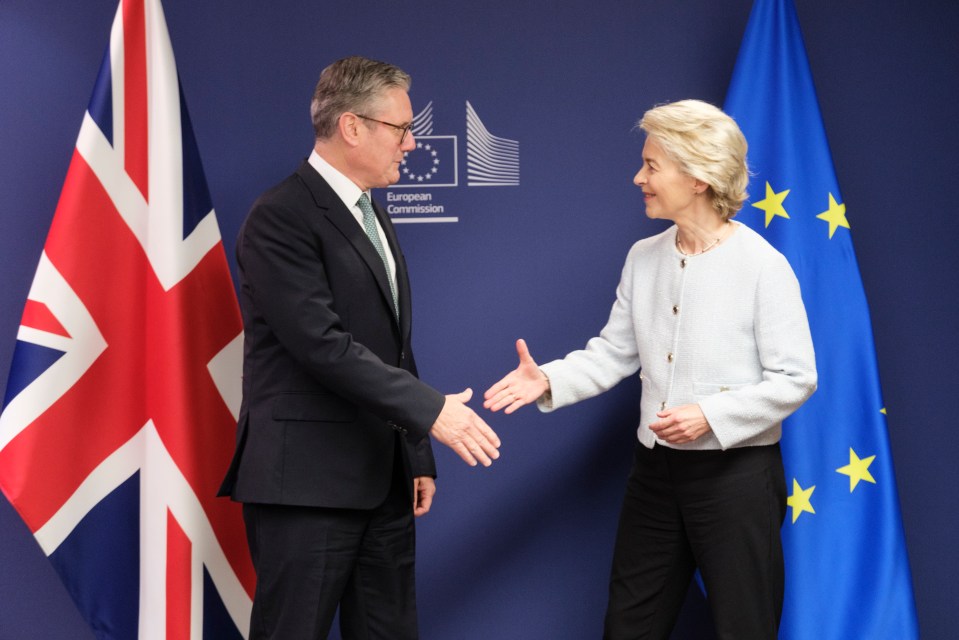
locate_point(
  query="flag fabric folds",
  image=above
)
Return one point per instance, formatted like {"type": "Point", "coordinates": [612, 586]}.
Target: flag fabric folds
{"type": "Point", "coordinates": [120, 411]}
{"type": "Point", "coordinates": [847, 572]}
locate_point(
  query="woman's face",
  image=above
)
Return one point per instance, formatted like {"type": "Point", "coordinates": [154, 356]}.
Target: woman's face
{"type": "Point", "coordinates": [667, 191]}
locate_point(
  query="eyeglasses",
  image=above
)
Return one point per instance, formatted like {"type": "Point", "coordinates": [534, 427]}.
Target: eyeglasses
{"type": "Point", "coordinates": [402, 128]}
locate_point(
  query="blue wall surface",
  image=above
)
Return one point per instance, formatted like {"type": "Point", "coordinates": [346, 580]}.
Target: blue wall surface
{"type": "Point", "coordinates": [521, 550]}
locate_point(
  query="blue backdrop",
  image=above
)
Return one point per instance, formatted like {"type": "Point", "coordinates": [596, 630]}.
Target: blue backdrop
{"type": "Point", "coordinates": [521, 550]}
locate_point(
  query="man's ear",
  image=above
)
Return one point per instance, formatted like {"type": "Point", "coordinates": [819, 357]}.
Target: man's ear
{"type": "Point", "coordinates": [348, 126]}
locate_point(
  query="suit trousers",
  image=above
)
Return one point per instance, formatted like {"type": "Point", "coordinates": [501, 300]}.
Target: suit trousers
{"type": "Point", "coordinates": [718, 511]}
{"type": "Point", "coordinates": [310, 561]}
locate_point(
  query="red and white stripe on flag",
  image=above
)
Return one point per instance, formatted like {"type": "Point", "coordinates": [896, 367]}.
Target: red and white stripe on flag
{"type": "Point", "coordinates": [120, 414]}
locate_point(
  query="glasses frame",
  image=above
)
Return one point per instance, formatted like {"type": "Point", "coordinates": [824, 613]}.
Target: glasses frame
{"type": "Point", "coordinates": [404, 128]}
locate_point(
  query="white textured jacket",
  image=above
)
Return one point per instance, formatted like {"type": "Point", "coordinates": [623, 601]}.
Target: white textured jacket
{"type": "Point", "coordinates": [726, 329]}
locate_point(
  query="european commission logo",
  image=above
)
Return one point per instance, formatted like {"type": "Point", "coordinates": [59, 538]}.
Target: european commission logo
{"type": "Point", "coordinates": [491, 161]}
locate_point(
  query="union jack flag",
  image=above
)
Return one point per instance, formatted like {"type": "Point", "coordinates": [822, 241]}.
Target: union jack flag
{"type": "Point", "coordinates": [120, 410]}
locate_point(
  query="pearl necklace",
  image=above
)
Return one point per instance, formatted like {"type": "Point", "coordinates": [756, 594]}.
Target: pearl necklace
{"type": "Point", "coordinates": [679, 243]}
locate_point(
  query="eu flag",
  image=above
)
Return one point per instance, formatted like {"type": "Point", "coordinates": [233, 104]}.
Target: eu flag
{"type": "Point", "coordinates": [847, 573]}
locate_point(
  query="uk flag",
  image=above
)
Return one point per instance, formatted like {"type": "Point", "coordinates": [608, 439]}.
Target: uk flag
{"type": "Point", "coordinates": [120, 411]}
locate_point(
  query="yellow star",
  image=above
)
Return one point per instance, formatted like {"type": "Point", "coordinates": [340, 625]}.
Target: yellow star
{"type": "Point", "coordinates": [799, 500]}
{"type": "Point", "coordinates": [835, 215]}
{"type": "Point", "coordinates": [883, 411]}
{"type": "Point", "coordinates": [857, 469]}
{"type": "Point", "coordinates": [773, 204]}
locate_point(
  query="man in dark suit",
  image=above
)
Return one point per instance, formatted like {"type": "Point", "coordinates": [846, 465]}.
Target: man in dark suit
{"type": "Point", "coordinates": [333, 456]}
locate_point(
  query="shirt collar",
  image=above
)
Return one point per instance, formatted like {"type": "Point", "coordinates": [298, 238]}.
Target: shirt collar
{"type": "Point", "coordinates": [345, 188]}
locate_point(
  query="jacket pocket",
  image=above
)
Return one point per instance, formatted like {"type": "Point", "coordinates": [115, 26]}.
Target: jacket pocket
{"type": "Point", "coordinates": [704, 389]}
{"type": "Point", "coordinates": [313, 407]}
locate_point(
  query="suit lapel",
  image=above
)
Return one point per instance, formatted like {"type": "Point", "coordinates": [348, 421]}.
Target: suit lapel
{"type": "Point", "coordinates": [342, 218]}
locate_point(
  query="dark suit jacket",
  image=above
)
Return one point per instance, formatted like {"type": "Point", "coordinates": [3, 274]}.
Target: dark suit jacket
{"type": "Point", "coordinates": [328, 374]}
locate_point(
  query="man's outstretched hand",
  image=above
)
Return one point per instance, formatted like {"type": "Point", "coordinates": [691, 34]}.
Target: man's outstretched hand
{"type": "Point", "coordinates": [460, 429]}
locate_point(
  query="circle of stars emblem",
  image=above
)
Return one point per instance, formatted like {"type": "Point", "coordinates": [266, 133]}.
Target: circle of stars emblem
{"type": "Point", "coordinates": [431, 169]}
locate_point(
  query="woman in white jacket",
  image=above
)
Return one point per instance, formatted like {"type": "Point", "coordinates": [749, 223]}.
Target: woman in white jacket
{"type": "Point", "coordinates": [712, 317]}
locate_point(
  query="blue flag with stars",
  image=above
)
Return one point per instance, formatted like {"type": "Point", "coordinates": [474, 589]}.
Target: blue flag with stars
{"type": "Point", "coordinates": [847, 572]}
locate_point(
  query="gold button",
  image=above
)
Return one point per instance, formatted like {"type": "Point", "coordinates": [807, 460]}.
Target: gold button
{"type": "Point", "coordinates": [724, 388]}
{"type": "Point", "coordinates": [669, 357]}
{"type": "Point", "coordinates": [682, 263]}
{"type": "Point", "coordinates": [675, 309]}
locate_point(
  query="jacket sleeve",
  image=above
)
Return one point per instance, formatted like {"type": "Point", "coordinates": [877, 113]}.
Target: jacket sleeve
{"type": "Point", "coordinates": [284, 269]}
{"type": "Point", "coordinates": [604, 362]}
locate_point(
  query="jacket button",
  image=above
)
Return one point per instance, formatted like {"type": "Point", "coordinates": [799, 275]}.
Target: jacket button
{"type": "Point", "coordinates": [675, 309]}
{"type": "Point", "coordinates": [669, 357]}
{"type": "Point", "coordinates": [682, 263]}
{"type": "Point", "coordinates": [662, 406]}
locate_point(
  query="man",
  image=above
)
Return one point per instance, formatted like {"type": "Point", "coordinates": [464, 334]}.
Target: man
{"type": "Point", "coordinates": [333, 457]}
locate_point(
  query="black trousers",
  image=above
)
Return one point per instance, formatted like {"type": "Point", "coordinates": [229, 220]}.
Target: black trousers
{"type": "Point", "coordinates": [309, 561]}
{"type": "Point", "coordinates": [718, 511]}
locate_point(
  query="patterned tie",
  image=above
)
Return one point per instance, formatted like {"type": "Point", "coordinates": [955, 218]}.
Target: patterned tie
{"type": "Point", "coordinates": [369, 225]}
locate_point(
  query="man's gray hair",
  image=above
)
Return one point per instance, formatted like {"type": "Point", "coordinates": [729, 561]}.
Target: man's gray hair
{"type": "Point", "coordinates": [353, 84]}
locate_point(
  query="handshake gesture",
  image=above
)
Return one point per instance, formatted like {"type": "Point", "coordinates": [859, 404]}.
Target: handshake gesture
{"type": "Point", "coordinates": [462, 430]}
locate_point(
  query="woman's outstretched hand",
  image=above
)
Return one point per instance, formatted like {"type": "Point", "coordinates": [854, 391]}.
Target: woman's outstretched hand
{"type": "Point", "coordinates": [521, 386]}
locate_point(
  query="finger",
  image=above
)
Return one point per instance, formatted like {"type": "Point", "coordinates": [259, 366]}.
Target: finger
{"type": "Point", "coordinates": [676, 435]}
{"type": "Point", "coordinates": [497, 388]}
{"type": "Point", "coordinates": [664, 433]}
{"type": "Point", "coordinates": [666, 420]}
{"type": "Point", "coordinates": [517, 403]}
{"type": "Point", "coordinates": [523, 351]}
{"type": "Point", "coordinates": [481, 432]}
{"type": "Point", "coordinates": [472, 453]}
{"type": "Point", "coordinates": [503, 399]}
{"type": "Point", "coordinates": [489, 448]}
{"type": "Point", "coordinates": [495, 405]}
{"type": "Point", "coordinates": [484, 452]}
{"type": "Point", "coordinates": [465, 395]}
{"type": "Point", "coordinates": [423, 503]}
{"type": "Point", "coordinates": [463, 451]}
{"type": "Point", "coordinates": [494, 397]}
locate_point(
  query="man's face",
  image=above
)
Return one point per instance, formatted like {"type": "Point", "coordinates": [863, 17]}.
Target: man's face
{"type": "Point", "coordinates": [381, 151]}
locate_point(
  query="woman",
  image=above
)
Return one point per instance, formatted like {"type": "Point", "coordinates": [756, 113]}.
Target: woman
{"type": "Point", "coordinates": [711, 315]}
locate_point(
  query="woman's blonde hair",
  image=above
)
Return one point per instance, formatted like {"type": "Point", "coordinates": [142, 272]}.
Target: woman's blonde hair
{"type": "Point", "coordinates": [707, 144]}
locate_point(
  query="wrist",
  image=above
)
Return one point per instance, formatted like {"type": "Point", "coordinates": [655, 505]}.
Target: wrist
{"type": "Point", "coordinates": [547, 396]}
